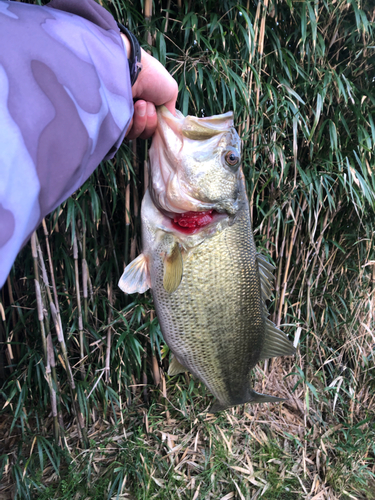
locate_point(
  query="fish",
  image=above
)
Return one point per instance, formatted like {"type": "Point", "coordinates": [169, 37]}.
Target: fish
{"type": "Point", "coordinates": [209, 284]}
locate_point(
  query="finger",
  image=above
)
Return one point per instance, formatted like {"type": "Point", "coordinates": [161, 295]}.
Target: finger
{"type": "Point", "coordinates": [151, 123]}
{"type": "Point", "coordinates": [139, 120]}
{"type": "Point", "coordinates": [171, 106]}
{"type": "Point", "coordinates": [155, 84]}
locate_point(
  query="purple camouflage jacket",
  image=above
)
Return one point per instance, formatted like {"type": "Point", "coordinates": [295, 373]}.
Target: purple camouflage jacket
{"type": "Point", "coordinates": [65, 105]}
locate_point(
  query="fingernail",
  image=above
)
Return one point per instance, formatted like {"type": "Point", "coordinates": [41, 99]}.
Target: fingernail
{"type": "Point", "coordinates": [141, 109]}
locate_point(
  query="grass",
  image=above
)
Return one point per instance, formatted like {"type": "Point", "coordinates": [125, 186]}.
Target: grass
{"type": "Point", "coordinates": [174, 449]}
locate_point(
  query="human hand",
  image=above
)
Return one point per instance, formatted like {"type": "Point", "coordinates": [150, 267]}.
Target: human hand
{"type": "Point", "coordinates": [154, 87]}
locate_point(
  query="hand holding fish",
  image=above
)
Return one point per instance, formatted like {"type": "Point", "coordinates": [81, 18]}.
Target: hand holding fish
{"type": "Point", "coordinates": [154, 87]}
{"type": "Point", "coordinates": [70, 115]}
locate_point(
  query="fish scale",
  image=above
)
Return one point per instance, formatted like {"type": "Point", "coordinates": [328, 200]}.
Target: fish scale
{"type": "Point", "coordinates": [209, 288]}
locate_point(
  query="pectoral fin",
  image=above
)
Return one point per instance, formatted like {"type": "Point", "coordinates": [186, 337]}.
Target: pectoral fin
{"type": "Point", "coordinates": [136, 277]}
{"type": "Point", "coordinates": [176, 367]}
{"type": "Point", "coordinates": [173, 267]}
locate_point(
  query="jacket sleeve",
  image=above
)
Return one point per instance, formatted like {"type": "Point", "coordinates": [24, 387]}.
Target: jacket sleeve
{"type": "Point", "coordinates": [65, 105]}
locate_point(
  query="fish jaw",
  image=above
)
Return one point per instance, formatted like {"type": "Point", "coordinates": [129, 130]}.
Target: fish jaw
{"type": "Point", "coordinates": [188, 165]}
{"type": "Point", "coordinates": [155, 225]}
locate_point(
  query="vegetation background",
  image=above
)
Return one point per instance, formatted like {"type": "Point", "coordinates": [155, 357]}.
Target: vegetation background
{"type": "Point", "coordinates": [86, 410]}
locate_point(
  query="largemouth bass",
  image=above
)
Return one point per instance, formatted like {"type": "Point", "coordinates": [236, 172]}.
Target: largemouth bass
{"type": "Point", "coordinates": [208, 282]}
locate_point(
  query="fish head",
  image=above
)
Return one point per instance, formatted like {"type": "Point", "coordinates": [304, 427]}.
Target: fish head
{"type": "Point", "coordinates": [195, 164]}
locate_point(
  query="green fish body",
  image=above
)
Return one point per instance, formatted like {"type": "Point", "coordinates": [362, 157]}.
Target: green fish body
{"type": "Point", "coordinates": [208, 283]}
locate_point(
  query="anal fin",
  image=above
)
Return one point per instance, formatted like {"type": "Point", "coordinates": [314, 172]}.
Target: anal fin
{"type": "Point", "coordinates": [176, 367]}
{"type": "Point", "coordinates": [276, 343]}
{"type": "Point", "coordinates": [136, 277]}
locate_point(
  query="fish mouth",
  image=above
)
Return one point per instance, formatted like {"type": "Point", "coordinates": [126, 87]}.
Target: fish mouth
{"type": "Point", "coordinates": [193, 222]}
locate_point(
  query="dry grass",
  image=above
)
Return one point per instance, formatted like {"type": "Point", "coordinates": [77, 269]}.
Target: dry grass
{"type": "Point", "coordinates": [175, 449]}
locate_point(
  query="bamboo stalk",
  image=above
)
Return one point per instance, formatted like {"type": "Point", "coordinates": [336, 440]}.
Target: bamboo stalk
{"type": "Point", "coordinates": [154, 360]}
{"type": "Point", "coordinates": [60, 336]}
{"type": "Point", "coordinates": [254, 121]}
{"type": "Point", "coordinates": [148, 15]}
{"type": "Point", "coordinates": [133, 244]}
{"type": "Point", "coordinates": [46, 340]}
{"type": "Point", "coordinates": [14, 320]}
{"type": "Point", "coordinates": [135, 190]}
{"type": "Point", "coordinates": [251, 55]}
{"type": "Point", "coordinates": [50, 352]}
{"type": "Point", "coordinates": [145, 172]}
{"type": "Point", "coordinates": [68, 369]}
{"type": "Point", "coordinates": [109, 228]}
{"type": "Point", "coordinates": [78, 293]}
{"type": "Point", "coordinates": [41, 317]}
{"type": "Point", "coordinates": [164, 394]}
{"type": "Point", "coordinates": [133, 248]}
{"type": "Point", "coordinates": [50, 264]}
{"type": "Point", "coordinates": [155, 370]}
{"type": "Point", "coordinates": [38, 294]}
{"type": "Point", "coordinates": [372, 306]}
{"type": "Point", "coordinates": [51, 364]}
{"type": "Point", "coordinates": [148, 9]}
{"type": "Point", "coordinates": [127, 218]}
{"type": "Point", "coordinates": [84, 273]}
{"type": "Point", "coordinates": [289, 255]}
{"type": "Point", "coordinates": [280, 265]}
{"type": "Point", "coordinates": [262, 28]}
{"type": "Point", "coordinates": [109, 331]}
{"type": "Point", "coordinates": [2, 342]}
{"type": "Point", "coordinates": [144, 377]}
{"type": "Point", "coordinates": [167, 16]}
{"type": "Point", "coordinates": [84, 284]}
{"type": "Point", "coordinates": [45, 279]}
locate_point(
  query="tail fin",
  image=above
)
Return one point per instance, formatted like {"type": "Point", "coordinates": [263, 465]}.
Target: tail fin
{"type": "Point", "coordinates": [255, 397]}
{"type": "Point", "coordinates": [217, 406]}
{"type": "Point", "coordinates": [263, 398]}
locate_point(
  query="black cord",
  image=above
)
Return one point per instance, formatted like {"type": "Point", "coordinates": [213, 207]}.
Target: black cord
{"type": "Point", "coordinates": [134, 60]}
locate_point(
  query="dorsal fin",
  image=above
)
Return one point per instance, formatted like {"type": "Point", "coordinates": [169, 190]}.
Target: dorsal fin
{"type": "Point", "coordinates": [264, 262]}
{"type": "Point", "coordinates": [266, 276]}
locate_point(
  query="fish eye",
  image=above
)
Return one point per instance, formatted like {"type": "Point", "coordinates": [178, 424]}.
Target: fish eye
{"type": "Point", "coordinates": [232, 158]}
